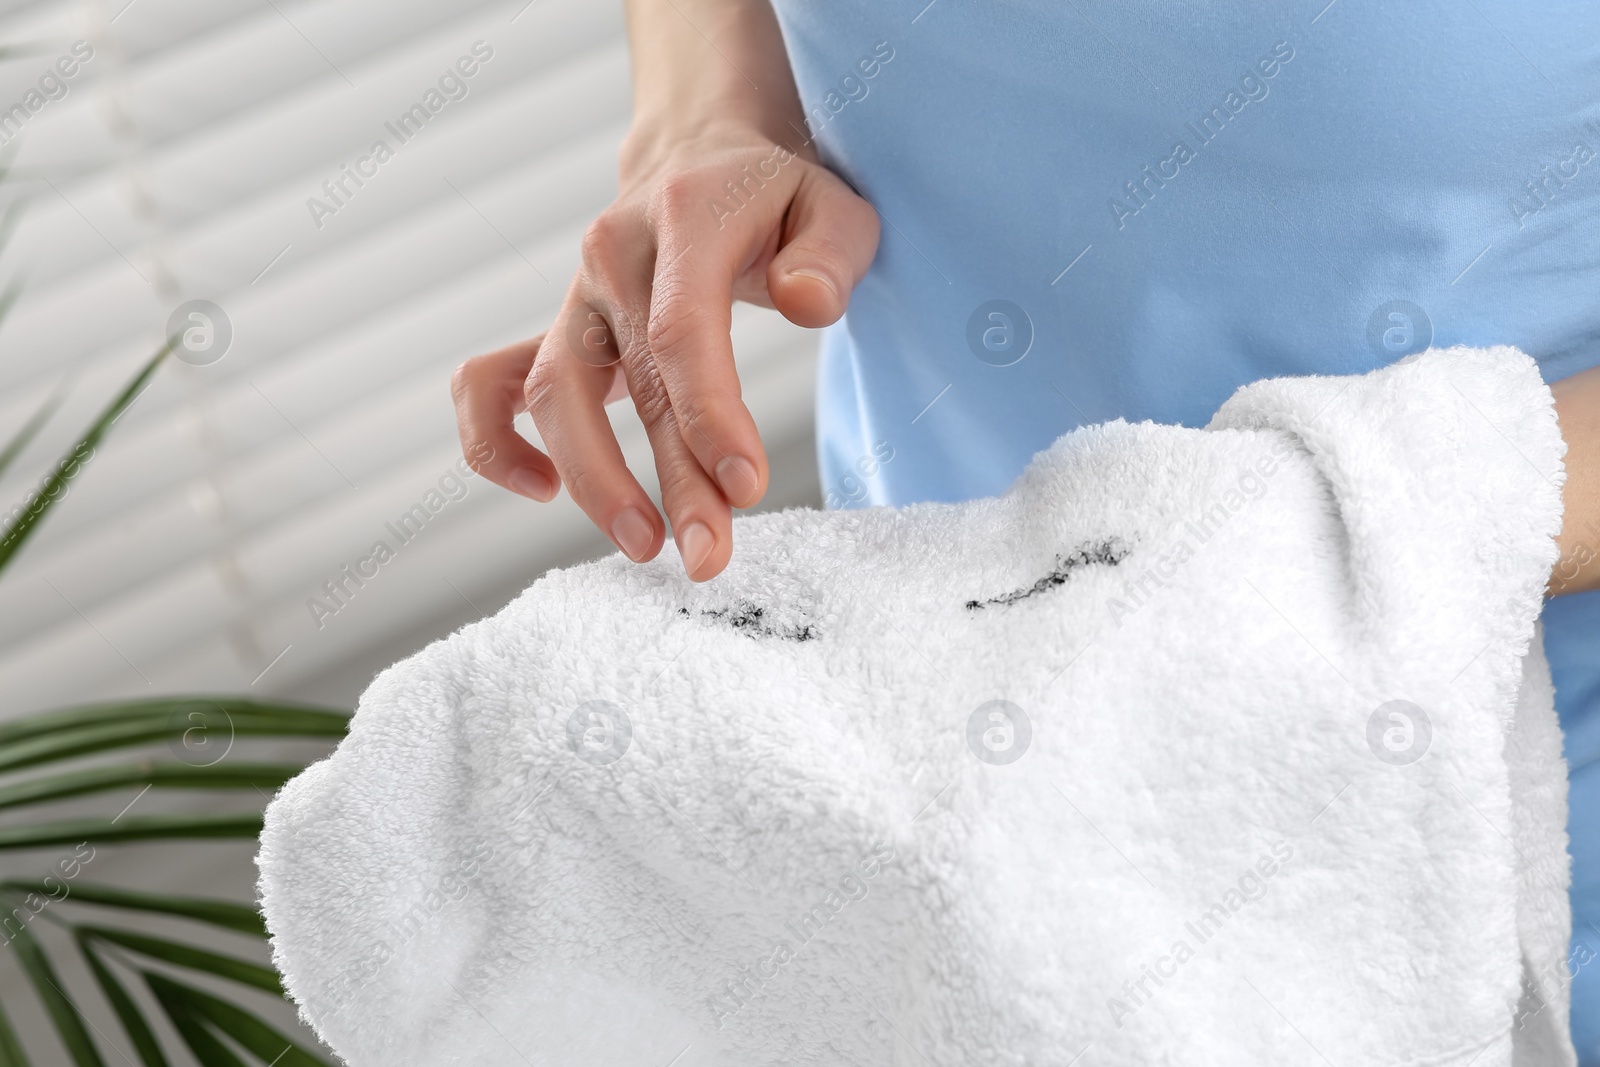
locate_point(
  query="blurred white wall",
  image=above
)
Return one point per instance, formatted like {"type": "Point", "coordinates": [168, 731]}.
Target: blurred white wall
{"type": "Point", "coordinates": [178, 166]}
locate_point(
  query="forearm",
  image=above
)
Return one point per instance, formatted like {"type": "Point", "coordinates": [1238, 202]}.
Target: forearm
{"type": "Point", "coordinates": [704, 66]}
{"type": "Point", "coordinates": [1578, 410]}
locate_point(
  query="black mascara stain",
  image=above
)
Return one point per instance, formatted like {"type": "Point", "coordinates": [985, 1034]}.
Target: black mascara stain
{"type": "Point", "coordinates": [749, 619]}
{"type": "Point", "coordinates": [1109, 552]}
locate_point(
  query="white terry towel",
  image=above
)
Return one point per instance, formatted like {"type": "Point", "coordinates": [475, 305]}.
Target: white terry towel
{"type": "Point", "coordinates": [1217, 747]}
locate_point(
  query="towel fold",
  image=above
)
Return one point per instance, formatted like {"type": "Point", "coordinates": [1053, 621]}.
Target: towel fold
{"type": "Point", "coordinates": [1216, 747]}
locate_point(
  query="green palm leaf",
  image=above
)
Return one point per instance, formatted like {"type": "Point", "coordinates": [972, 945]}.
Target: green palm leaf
{"type": "Point", "coordinates": [85, 740]}
{"type": "Point", "coordinates": [165, 775]}
{"type": "Point", "coordinates": [251, 1032]}
{"type": "Point", "coordinates": [128, 1013]}
{"type": "Point", "coordinates": [11, 1054]}
{"type": "Point", "coordinates": [17, 530]}
{"type": "Point", "coordinates": [215, 726]}
{"type": "Point", "coordinates": [314, 721]}
{"type": "Point", "coordinates": [64, 1014]}
{"type": "Point", "coordinates": [196, 959]}
{"type": "Point", "coordinates": [207, 1048]}
{"type": "Point", "coordinates": [145, 828]}
{"type": "Point", "coordinates": [201, 731]}
{"type": "Point", "coordinates": [224, 913]}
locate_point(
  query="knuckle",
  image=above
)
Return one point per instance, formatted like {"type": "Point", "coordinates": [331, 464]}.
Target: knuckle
{"type": "Point", "coordinates": [601, 239]}
{"type": "Point", "coordinates": [540, 391]}
{"type": "Point", "coordinates": [582, 485]}
{"type": "Point", "coordinates": [673, 322]}
{"type": "Point", "coordinates": [462, 378]}
{"type": "Point", "coordinates": [620, 325]}
{"type": "Point", "coordinates": [838, 246]}
{"type": "Point", "coordinates": [677, 194]}
{"type": "Point", "coordinates": [683, 485]}
{"type": "Point", "coordinates": [698, 414]}
{"type": "Point", "coordinates": [827, 253]}
{"type": "Point", "coordinates": [478, 453]}
{"type": "Point", "coordinates": [650, 397]}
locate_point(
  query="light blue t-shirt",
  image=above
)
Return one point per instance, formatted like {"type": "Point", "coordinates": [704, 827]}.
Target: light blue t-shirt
{"type": "Point", "coordinates": [1095, 209]}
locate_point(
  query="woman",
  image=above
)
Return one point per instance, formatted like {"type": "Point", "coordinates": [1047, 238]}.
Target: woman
{"type": "Point", "coordinates": [1088, 211]}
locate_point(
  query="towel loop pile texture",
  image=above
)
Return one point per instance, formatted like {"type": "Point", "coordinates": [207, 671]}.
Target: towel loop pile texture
{"type": "Point", "coordinates": [1207, 747]}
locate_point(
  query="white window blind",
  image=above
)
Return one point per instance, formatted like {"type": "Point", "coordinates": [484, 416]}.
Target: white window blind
{"type": "Point", "coordinates": [187, 159]}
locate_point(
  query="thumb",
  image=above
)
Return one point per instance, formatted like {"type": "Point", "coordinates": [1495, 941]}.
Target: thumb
{"type": "Point", "coordinates": [830, 236]}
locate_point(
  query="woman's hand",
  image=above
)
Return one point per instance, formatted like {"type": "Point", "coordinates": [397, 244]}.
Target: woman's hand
{"type": "Point", "coordinates": [720, 199]}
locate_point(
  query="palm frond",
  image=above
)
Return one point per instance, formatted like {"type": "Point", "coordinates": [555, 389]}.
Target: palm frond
{"type": "Point", "coordinates": [27, 520]}
{"type": "Point", "coordinates": [52, 756]}
{"type": "Point", "coordinates": [205, 1045]}
{"type": "Point", "coordinates": [165, 827]}
{"type": "Point", "coordinates": [63, 1013]}
{"type": "Point", "coordinates": [196, 959]}
{"type": "Point", "coordinates": [264, 777]}
{"type": "Point", "coordinates": [260, 1038]}
{"type": "Point", "coordinates": [223, 913]}
{"type": "Point", "coordinates": [11, 1054]}
{"type": "Point", "coordinates": [58, 755]}
{"type": "Point", "coordinates": [126, 1008]}
{"type": "Point", "coordinates": [211, 724]}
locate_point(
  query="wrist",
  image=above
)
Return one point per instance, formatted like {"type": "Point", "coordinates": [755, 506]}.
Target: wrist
{"type": "Point", "coordinates": [661, 145]}
{"type": "Point", "coordinates": [708, 76]}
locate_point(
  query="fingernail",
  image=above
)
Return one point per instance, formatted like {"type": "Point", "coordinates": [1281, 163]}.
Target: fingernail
{"type": "Point", "coordinates": [737, 476]}
{"type": "Point", "coordinates": [807, 272]}
{"type": "Point", "coordinates": [532, 483]}
{"type": "Point", "coordinates": [694, 545]}
{"type": "Point", "coordinates": [632, 533]}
